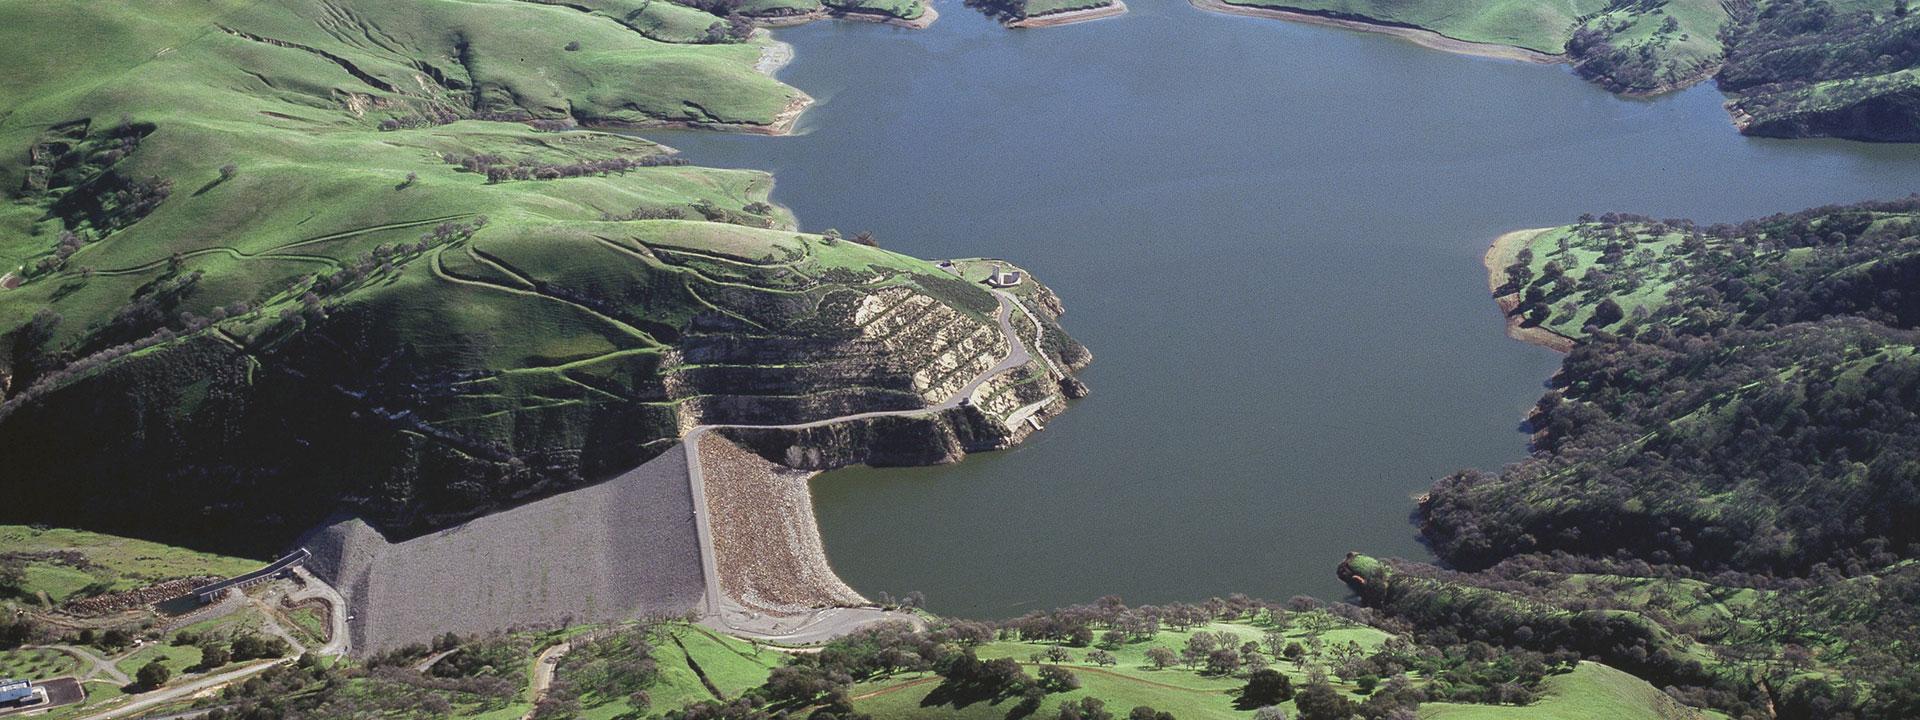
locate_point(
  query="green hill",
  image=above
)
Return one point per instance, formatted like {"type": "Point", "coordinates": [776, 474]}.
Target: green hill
{"type": "Point", "coordinates": [1795, 68]}
{"type": "Point", "coordinates": [270, 260]}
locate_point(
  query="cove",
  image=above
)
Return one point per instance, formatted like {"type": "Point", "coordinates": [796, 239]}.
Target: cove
{"type": "Point", "coordinates": [1269, 235]}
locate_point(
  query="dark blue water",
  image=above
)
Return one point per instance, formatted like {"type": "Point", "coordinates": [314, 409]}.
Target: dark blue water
{"type": "Point", "coordinates": [1270, 237]}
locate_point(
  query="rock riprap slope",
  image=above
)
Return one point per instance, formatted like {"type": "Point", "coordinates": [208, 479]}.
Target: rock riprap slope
{"type": "Point", "coordinates": [270, 261]}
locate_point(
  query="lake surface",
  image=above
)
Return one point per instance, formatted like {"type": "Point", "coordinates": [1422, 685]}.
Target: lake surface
{"type": "Point", "coordinates": [1269, 234]}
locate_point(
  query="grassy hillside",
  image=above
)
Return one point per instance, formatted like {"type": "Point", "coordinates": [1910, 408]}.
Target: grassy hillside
{"type": "Point", "coordinates": [1628, 47]}
{"type": "Point", "coordinates": [1723, 486]}
{"type": "Point", "coordinates": [1804, 68]}
{"type": "Point", "coordinates": [55, 565]}
{"type": "Point", "coordinates": [1740, 391]}
{"type": "Point", "coordinates": [1812, 646]}
{"type": "Point", "coordinates": [1796, 68]}
{"type": "Point", "coordinates": [306, 256]}
{"type": "Point", "coordinates": [1531, 24]}
{"type": "Point", "coordinates": [1591, 692]}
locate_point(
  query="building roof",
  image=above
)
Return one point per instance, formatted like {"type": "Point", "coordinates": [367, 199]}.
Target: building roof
{"type": "Point", "coordinates": [11, 690]}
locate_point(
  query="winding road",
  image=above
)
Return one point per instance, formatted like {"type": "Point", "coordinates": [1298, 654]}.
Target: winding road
{"type": "Point", "coordinates": [821, 625]}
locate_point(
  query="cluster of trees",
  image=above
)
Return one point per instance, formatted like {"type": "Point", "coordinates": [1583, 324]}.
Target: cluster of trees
{"type": "Point", "coordinates": [1002, 10]}
{"type": "Point", "coordinates": [1646, 62]}
{"type": "Point", "coordinates": [1779, 52]}
{"type": "Point", "coordinates": [1754, 433]}
{"type": "Point", "coordinates": [614, 665]}
{"type": "Point", "coordinates": [216, 651]}
{"type": "Point", "coordinates": [499, 169]}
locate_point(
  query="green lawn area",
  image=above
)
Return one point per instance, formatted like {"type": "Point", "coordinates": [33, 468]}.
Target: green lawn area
{"type": "Point", "coordinates": [311, 622]}
{"type": "Point", "coordinates": [176, 657]}
{"type": "Point", "coordinates": [36, 664]}
{"type": "Point", "coordinates": [1591, 692]}
{"type": "Point", "coordinates": [1187, 693]}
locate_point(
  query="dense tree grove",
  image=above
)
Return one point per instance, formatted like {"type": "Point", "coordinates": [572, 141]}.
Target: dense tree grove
{"type": "Point", "coordinates": [1749, 442]}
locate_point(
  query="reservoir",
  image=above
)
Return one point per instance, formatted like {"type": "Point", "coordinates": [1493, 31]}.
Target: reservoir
{"type": "Point", "coordinates": [1269, 235]}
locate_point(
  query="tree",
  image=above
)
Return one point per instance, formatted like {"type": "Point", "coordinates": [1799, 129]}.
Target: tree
{"type": "Point", "coordinates": [1161, 657]}
{"type": "Point", "coordinates": [1087, 708]}
{"type": "Point", "coordinates": [1275, 642]}
{"type": "Point", "coordinates": [153, 675]}
{"type": "Point", "coordinates": [1080, 636]}
{"type": "Point", "coordinates": [1225, 661]}
{"type": "Point", "coordinates": [1320, 701]}
{"type": "Point", "coordinates": [1607, 313]}
{"type": "Point", "coordinates": [1102, 658]}
{"type": "Point", "coordinates": [1266, 687]}
{"type": "Point", "coordinates": [1146, 713]}
{"type": "Point", "coordinates": [1270, 712]}
{"type": "Point", "coordinates": [228, 170]}
{"type": "Point", "coordinates": [213, 655]}
{"type": "Point", "coordinates": [1058, 679]}
{"type": "Point", "coordinates": [258, 647]}
{"type": "Point", "coordinates": [13, 571]}
{"type": "Point", "coordinates": [969, 632]}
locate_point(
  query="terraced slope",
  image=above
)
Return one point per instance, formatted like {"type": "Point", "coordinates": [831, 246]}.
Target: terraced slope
{"type": "Point", "coordinates": [273, 260]}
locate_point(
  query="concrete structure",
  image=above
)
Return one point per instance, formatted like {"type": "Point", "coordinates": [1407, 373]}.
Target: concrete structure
{"type": "Point", "coordinates": [1004, 278]}
{"type": "Point", "coordinates": [16, 692]}
{"type": "Point", "coordinates": [211, 592]}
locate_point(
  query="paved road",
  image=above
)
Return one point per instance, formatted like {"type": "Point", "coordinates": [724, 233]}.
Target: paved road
{"type": "Point", "coordinates": [338, 637]}
{"type": "Point", "coordinates": [544, 665]}
{"type": "Point", "coordinates": [728, 616]}
{"type": "Point", "coordinates": [97, 665]}
{"type": "Point", "coordinates": [427, 663]}
{"type": "Point", "coordinates": [161, 697]}
{"type": "Point", "coordinates": [314, 589]}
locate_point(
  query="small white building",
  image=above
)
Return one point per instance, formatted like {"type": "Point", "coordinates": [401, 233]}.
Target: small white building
{"type": "Point", "coordinates": [1004, 278]}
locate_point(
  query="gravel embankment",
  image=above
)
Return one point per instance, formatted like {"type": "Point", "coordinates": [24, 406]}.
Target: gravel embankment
{"type": "Point", "coordinates": [617, 550]}
{"type": "Point", "coordinates": [766, 542]}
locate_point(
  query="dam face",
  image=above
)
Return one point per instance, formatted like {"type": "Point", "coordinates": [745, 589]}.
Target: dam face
{"type": "Point", "coordinates": [622, 549]}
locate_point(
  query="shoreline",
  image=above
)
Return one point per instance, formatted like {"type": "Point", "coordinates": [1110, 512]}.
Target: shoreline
{"type": "Point", "coordinates": [784, 21]}
{"type": "Point", "coordinates": [1416, 35]}
{"type": "Point", "coordinates": [775, 56]}
{"type": "Point", "coordinates": [1499, 255]}
{"type": "Point", "coordinates": [1071, 17]}
{"type": "Point", "coordinates": [783, 122]}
